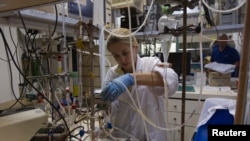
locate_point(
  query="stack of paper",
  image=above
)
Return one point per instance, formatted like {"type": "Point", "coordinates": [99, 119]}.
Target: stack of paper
{"type": "Point", "coordinates": [219, 67]}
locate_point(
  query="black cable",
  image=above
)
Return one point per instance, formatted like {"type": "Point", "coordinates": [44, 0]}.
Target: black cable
{"type": "Point", "coordinates": [7, 46]}
{"type": "Point", "coordinates": [54, 30]}
{"type": "Point", "coordinates": [55, 21]}
{"type": "Point", "coordinates": [28, 58]}
{"type": "Point", "coordinates": [22, 90]}
{"type": "Point", "coordinates": [50, 83]}
{"type": "Point", "coordinates": [24, 26]}
{"type": "Point", "coordinates": [32, 42]}
{"type": "Point", "coordinates": [27, 48]}
{"type": "Point", "coordinates": [15, 53]}
{"type": "Point", "coordinates": [28, 42]}
{"type": "Point", "coordinates": [48, 48]}
{"type": "Point", "coordinates": [11, 37]}
{"type": "Point", "coordinates": [11, 78]}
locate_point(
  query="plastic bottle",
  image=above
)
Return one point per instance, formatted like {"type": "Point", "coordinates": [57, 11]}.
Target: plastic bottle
{"type": "Point", "coordinates": [166, 22]}
{"type": "Point", "coordinates": [74, 76]}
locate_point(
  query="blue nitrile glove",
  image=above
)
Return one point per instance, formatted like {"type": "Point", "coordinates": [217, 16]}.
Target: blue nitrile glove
{"type": "Point", "coordinates": [116, 87]}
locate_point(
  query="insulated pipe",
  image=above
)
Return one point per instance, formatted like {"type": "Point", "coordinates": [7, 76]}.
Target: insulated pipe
{"type": "Point", "coordinates": [243, 71]}
{"type": "Point", "coordinates": [101, 59]}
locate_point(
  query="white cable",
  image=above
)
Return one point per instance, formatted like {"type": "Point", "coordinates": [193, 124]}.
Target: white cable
{"type": "Point", "coordinates": [125, 133]}
{"type": "Point", "coordinates": [111, 136]}
{"type": "Point", "coordinates": [102, 49]}
{"type": "Point", "coordinates": [133, 67]}
{"type": "Point", "coordinates": [65, 64]}
{"type": "Point", "coordinates": [115, 138]}
{"type": "Point", "coordinates": [166, 101]}
{"type": "Point", "coordinates": [79, 9]}
{"type": "Point", "coordinates": [79, 61]}
{"type": "Point", "coordinates": [134, 106]}
{"type": "Point", "coordinates": [80, 80]}
{"type": "Point", "coordinates": [201, 68]}
{"type": "Point", "coordinates": [152, 123]}
{"type": "Point", "coordinates": [144, 117]}
{"type": "Point", "coordinates": [139, 28]}
{"type": "Point", "coordinates": [224, 11]}
{"type": "Point", "coordinates": [47, 107]}
{"type": "Point", "coordinates": [43, 92]}
{"type": "Point", "coordinates": [139, 108]}
{"type": "Point", "coordinates": [69, 108]}
{"type": "Point", "coordinates": [130, 94]}
{"type": "Point", "coordinates": [142, 114]}
{"type": "Point", "coordinates": [97, 54]}
{"type": "Point", "coordinates": [165, 49]}
{"type": "Point", "coordinates": [202, 72]}
{"type": "Point", "coordinates": [212, 39]}
{"type": "Point", "coordinates": [59, 91]}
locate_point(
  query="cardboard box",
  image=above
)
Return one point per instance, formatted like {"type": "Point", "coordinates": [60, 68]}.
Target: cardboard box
{"type": "Point", "coordinates": [218, 75]}
{"type": "Point", "coordinates": [47, 9]}
{"type": "Point", "coordinates": [219, 82]}
{"type": "Point", "coordinates": [200, 78]}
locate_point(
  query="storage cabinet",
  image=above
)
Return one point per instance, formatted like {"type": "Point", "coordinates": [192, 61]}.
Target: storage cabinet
{"type": "Point", "coordinates": [193, 107]}
{"type": "Point", "coordinates": [192, 114]}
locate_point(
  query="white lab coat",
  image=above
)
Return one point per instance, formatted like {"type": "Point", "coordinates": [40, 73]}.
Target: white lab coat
{"type": "Point", "coordinates": [151, 101]}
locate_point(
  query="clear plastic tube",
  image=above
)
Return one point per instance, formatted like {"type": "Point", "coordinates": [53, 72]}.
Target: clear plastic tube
{"type": "Point", "coordinates": [80, 95]}
{"type": "Point", "coordinates": [139, 28]}
{"type": "Point", "coordinates": [102, 53]}
{"type": "Point", "coordinates": [133, 67]}
{"type": "Point", "coordinates": [65, 57]}
{"type": "Point", "coordinates": [79, 9]}
{"type": "Point", "coordinates": [224, 11]}
{"type": "Point", "coordinates": [57, 92]}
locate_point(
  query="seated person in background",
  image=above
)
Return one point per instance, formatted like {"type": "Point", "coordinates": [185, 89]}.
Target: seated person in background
{"type": "Point", "coordinates": [222, 52]}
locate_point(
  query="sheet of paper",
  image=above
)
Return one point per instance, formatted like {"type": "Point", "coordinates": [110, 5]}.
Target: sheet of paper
{"type": "Point", "coordinates": [219, 67]}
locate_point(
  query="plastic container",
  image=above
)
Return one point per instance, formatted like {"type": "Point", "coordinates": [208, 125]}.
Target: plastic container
{"type": "Point", "coordinates": [166, 22]}
{"type": "Point", "coordinates": [74, 76]}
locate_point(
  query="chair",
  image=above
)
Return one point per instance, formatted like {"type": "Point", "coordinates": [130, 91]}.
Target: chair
{"type": "Point", "coordinates": [214, 111]}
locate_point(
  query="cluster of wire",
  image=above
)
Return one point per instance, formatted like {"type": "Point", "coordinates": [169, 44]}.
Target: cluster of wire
{"type": "Point", "coordinates": [79, 117]}
{"type": "Point", "coordinates": [49, 88]}
{"type": "Point", "coordinates": [175, 32]}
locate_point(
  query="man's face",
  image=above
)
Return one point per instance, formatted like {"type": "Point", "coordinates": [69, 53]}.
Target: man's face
{"type": "Point", "coordinates": [223, 41]}
{"type": "Point", "coordinates": [122, 55]}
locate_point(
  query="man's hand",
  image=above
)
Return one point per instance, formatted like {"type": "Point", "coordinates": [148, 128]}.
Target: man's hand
{"type": "Point", "coordinates": [116, 87]}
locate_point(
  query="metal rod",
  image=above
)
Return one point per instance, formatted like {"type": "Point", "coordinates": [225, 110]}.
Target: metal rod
{"type": "Point", "coordinates": [46, 76]}
{"type": "Point", "coordinates": [184, 55]}
{"type": "Point", "coordinates": [90, 30]}
{"type": "Point", "coordinates": [243, 71]}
